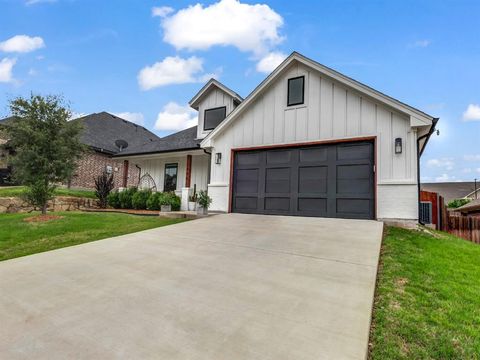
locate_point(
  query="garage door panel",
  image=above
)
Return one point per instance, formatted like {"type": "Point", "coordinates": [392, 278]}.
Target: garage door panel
{"type": "Point", "coordinates": [354, 151]}
{"type": "Point", "coordinates": [354, 206]}
{"type": "Point", "coordinates": [277, 180]}
{"type": "Point", "coordinates": [313, 155]}
{"type": "Point", "coordinates": [312, 179]}
{"type": "Point", "coordinates": [281, 204]}
{"type": "Point", "coordinates": [246, 181]}
{"type": "Point", "coordinates": [317, 206]}
{"type": "Point", "coordinates": [248, 158]}
{"type": "Point", "coordinates": [359, 187]}
{"type": "Point", "coordinates": [279, 157]}
{"type": "Point", "coordinates": [246, 203]}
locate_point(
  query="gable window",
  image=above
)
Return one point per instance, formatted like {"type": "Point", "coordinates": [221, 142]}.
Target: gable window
{"type": "Point", "coordinates": [296, 89]}
{"type": "Point", "coordinates": [170, 182]}
{"type": "Point", "coordinates": [213, 117]}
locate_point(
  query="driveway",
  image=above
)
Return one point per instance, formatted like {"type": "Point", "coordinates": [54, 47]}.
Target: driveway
{"type": "Point", "coordinates": [225, 287]}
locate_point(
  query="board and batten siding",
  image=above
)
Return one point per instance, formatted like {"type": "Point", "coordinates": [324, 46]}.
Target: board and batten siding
{"type": "Point", "coordinates": [213, 99]}
{"type": "Point", "coordinates": [331, 111]}
{"type": "Point", "coordinates": [156, 168]}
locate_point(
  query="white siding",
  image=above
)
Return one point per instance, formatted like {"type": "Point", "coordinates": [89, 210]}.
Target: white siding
{"type": "Point", "coordinates": [213, 99]}
{"type": "Point", "coordinates": [331, 111]}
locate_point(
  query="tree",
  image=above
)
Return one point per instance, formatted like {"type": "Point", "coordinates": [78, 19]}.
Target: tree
{"type": "Point", "coordinates": [47, 146]}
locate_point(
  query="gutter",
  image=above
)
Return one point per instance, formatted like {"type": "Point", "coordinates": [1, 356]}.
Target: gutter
{"type": "Point", "coordinates": [419, 154]}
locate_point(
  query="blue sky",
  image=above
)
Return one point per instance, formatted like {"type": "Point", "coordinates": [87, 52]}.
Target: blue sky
{"type": "Point", "coordinates": [145, 59]}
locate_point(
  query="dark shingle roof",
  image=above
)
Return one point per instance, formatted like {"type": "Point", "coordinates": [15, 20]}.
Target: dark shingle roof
{"type": "Point", "coordinates": [450, 190]}
{"type": "Point", "coordinates": [182, 140]}
{"type": "Point", "coordinates": [100, 131]}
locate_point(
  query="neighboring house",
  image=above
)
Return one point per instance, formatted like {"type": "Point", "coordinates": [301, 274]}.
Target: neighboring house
{"type": "Point", "coordinates": [107, 135]}
{"type": "Point", "coordinates": [472, 208]}
{"type": "Point", "coordinates": [307, 141]}
{"type": "Point", "coordinates": [453, 190]}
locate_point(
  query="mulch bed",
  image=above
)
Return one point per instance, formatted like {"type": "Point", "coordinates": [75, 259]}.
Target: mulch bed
{"type": "Point", "coordinates": [127, 211]}
{"type": "Point", "coordinates": [42, 218]}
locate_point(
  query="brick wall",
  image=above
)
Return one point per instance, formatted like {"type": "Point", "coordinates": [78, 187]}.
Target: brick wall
{"type": "Point", "coordinates": [95, 163]}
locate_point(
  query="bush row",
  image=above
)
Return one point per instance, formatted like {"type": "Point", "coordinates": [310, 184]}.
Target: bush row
{"type": "Point", "coordinates": [132, 198]}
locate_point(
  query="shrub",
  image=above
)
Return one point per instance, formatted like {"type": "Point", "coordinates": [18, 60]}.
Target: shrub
{"type": "Point", "coordinates": [169, 198]}
{"type": "Point", "coordinates": [113, 200]}
{"type": "Point", "coordinates": [125, 198]}
{"type": "Point", "coordinates": [457, 203]}
{"type": "Point", "coordinates": [153, 202]}
{"type": "Point", "coordinates": [140, 198]}
{"type": "Point", "coordinates": [103, 186]}
{"type": "Point", "coordinates": [203, 199]}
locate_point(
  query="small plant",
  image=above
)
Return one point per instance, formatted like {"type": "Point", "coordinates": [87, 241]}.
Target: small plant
{"type": "Point", "coordinates": [113, 199]}
{"type": "Point", "coordinates": [140, 198]}
{"type": "Point", "coordinates": [169, 198]}
{"type": "Point", "coordinates": [203, 199]}
{"type": "Point", "coordinates": [103, 186]}
{"type": "Point", "coordinates": [457, 203]}
{"type": "Point", "coordinates": [126, 196]}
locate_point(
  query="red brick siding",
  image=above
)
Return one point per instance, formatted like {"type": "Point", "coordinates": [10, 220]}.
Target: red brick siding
{"type": "Point", "coordinates": [94, 164]}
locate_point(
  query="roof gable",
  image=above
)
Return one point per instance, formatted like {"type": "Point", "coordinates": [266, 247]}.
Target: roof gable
{"type": "Point", "coordinates": [212, 83]}
{"type": "Point", "coordinates": [417, 117]}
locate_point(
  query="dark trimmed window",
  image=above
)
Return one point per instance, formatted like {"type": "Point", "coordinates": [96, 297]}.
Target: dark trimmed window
{"type": "Point", "coordinates": [296, 91]}
{"type": "Point", "coordinates": [170, 181]}
{"type": "Point", "coordinates": [213, 117]}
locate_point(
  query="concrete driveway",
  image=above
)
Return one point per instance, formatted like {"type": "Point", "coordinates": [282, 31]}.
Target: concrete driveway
{"type": "Point", "coordinates": [224, 287]}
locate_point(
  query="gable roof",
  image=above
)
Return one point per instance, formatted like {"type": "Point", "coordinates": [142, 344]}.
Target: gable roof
{"type": "Point", "coordinates": [451, 190]}
{"type": "Point", "coordinates": [101, 130]}
{"type": "Point", "coordinates": [179, 141]}
{"type": "Point", "coordinates": [207, 87]}
{"type": "Point", "coordinates": [417, 117]}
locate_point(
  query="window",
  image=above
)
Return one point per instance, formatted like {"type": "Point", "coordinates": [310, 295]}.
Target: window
{"type": "Point", "coordinates": [296, 89]}
{"type": "Point", "coordinates": [213, 117]}
{"type": "Point", "coordinates": [170, 182]}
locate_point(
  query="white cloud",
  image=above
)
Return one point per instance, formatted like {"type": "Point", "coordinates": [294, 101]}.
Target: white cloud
{"type": "Point", "coordinates": [270, 61]}
{"type": "Point", "coordinates": [134, 117]}
{"type": "Point", "coordinates": [162, 11]}
{"type": "Point", "coordinates": [472, 113]}
{"type": "Point", "coordinates": [250, 28]}
{"type": "Point", "coordinates": [171, 70]}
{"type": "Point", "coordinates": [446, 163]}
{"type": "Point", "coordinates": [175, 117]}
{"type": "Point", "coordinates": [6, 69]}
{"type": "Point", "coordinates": [467, 170]}
{"type": "Point", "coordinates": [421, 43]}
{"type": "Point", "coordinates": [22, 44]}
{"type": "Point", "coordinates": [34, 2]}
{"type": "Point", "coordinates": [445, 178]}
{"type": "Point", "coordinates": [475, 157]}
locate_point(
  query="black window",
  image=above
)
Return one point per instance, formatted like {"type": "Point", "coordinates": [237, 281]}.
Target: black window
{"type": "Point", "coordinates": [296, 89]}
{"type": "Point", "coordinates": [213, 117]}
{"type": "Point", "coordinates": [170, 183]}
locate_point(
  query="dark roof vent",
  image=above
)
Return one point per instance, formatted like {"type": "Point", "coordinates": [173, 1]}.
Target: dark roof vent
{"type": "Point", "coordinates": [121, 144]}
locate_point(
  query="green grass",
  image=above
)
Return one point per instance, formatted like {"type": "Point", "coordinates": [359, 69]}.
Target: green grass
{"type": "Point", "coordinates": [19, 238]}
{"type": "Point", "coordinates": [427, 303]}
{"type": "Point", "coordinates": [16, 191]}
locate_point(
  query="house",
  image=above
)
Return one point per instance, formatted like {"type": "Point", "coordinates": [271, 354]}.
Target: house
{"type": "Point", "coordinates": [472, 208]}
{"type": "Point", "coordinates": [107, 135]}
{"type": "Point", "coordinates": [307, 141]}
{"type": "Point", "coordinates": [453, 190]}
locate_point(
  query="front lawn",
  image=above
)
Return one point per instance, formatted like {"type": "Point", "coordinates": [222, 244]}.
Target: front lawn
{"type": "Point", "coordinates": [16, 191]}
{"type": "Point", "coordinates": [427, 303]}
{"type": "Point", "coordinates": [19, 238]}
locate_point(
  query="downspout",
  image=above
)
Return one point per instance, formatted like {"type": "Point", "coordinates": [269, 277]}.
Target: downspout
{"type": "Point", "coordinates": [419, 154]}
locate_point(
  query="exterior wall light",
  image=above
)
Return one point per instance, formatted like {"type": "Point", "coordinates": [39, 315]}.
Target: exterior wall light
{"type": "Point", "coordinates": [218, 158]}
{"type": "Point", "coordinates": [398, 145]}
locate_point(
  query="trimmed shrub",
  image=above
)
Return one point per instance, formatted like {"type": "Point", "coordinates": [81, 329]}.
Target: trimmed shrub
{"type": "Point", "coordinates": [125, 198]}
{"type": "Point", "coordinates": [139, 199]}
{"type": "Point", "coordinates": [153, 202]}
{"type": "Point", "coordinates": [113, 200]}
{"type": "Point", "coordinates": [169, 198]}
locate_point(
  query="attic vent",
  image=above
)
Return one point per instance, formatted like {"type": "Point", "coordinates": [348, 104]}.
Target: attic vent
{"type": "Point", "coordinates": [121, 144]}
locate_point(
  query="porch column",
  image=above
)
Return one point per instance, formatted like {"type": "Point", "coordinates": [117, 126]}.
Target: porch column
{"type": "Point", "coordinates": [188, 175]}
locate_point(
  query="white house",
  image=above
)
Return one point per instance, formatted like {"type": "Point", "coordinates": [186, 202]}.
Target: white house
{"type": "Point", "coordinates": [308, 141]}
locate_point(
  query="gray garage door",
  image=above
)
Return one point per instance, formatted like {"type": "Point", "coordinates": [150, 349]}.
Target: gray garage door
{"type": "Point", "coordinates": [335, 180]}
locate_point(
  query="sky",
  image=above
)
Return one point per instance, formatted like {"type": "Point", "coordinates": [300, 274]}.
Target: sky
{"type": "Point", "coordinates": [144, 60]}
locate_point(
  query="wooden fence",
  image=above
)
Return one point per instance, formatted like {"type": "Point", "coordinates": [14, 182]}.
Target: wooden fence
{"type": "Point", "coordinates": [466, 227]}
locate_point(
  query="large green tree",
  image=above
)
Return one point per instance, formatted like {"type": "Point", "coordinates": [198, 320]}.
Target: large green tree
{"type": "Point", "coordinates": [47, 145]}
